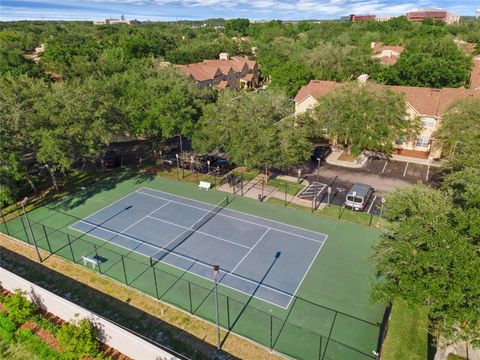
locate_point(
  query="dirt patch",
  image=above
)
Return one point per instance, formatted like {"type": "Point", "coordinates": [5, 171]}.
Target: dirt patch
{"type": "Point", "coordinates": [46, 336]}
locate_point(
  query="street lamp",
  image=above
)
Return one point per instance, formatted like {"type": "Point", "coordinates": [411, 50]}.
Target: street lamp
{"type": "Point", "coordinates": [208, 166]}
{"type": "Point", "coordinates": [299, 174]}
{"type": "Point", "coordinates": [354, 195]}
{"type": "Point", "coordinates": [178, 167]}
{"type": "Point", "coordinates": [318, 169]}
{"type": "Point", "coordinates": [181, 145]}
{"type": "Point", "coordinates": [24, 201]}
{"type": "Point", "coordinates": [216, 270]}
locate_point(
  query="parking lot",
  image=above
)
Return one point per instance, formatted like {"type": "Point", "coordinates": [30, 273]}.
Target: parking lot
{"type": "Point", "coordinates": [335, 193]}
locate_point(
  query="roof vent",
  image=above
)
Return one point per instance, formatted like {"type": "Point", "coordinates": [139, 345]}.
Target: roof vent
{"type": "Point", "coordinates": [224, 56]}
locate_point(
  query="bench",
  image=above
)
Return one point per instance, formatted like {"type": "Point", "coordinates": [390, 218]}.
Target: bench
{"type": "Point", "coordinates": [204, 185]}
{"type": "Point", "coordinates": [89, 260]}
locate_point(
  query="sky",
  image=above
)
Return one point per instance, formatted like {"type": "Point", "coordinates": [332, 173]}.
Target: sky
{"type": "Point", "coordinates": [163, 10]}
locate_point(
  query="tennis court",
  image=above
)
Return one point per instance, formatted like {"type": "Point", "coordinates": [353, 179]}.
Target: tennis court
{"type": "Point", "coordinates": [282, 285]}
{"type": "Point", "coordinates": [258, 257]}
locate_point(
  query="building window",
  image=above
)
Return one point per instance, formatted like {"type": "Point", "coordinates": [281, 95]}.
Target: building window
{"type": "Point", "coordinates": [423, 141]}
{"type": "Point", "coordinates": [428, 122]}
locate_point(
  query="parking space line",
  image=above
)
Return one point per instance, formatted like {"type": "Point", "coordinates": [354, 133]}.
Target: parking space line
{"type": "Point", "coordinates": [405, 171]}
{"type": "Point", "coordinates": [384, 166]}
{"type": "Point", "coordinates": [371, 205]}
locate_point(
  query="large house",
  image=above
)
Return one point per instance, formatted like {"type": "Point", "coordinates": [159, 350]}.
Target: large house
{"type": "Point", "coordinates": [427, 104]}
{"type": "Point", "coordinates": [235, 72]}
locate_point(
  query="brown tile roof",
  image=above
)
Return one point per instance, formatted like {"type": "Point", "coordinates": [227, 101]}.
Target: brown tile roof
{"type": "Point", "coordinates": [222, 85]}
{"type": "Point", "coordinates": [425, 101]}
{"type": "Point", "coordinates": [388, 60]}
{"type": "Point", "coordinates": [248, 77]}
{"type": "Point", "coordinates": [475, 74]}
{"type": "Point", "coordinates": [200, 72]}
{"type": "Point", "coordinates": [316, 88]}
{"type": "Point", "coordinates": [379, 47]}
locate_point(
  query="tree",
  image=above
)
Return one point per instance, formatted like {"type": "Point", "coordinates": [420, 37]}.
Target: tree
{"type": "Point", "coordinates": [459, 133]}
{"type": "Point", "coordinates": [427, 259]}
{"type": "Point", "coordinates": [290, 76]}
{"type": "Point", "coordinates": [236, 27]}
{"type": "Point", "coordinates": [364, 117]}
{"type": "Point", "coordinates": [158, 102]}
{"type": "Point", "coordinates": [75, 121]}
{"type": "Point", "coordinates": [253, 129]}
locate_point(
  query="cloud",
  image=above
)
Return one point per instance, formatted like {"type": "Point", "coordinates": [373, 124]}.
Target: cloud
{"type": "Point", "coordinates": [202, 9]}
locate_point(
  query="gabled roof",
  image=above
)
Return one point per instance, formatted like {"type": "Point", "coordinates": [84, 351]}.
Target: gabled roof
{"type": "Point", "coordinates": [316, 88]}
{"type": "Point", "coordinates": [425, 101]}
{"type": "Point", "coordinates": [222, 85]}
{"type": "Point", "coordinates": [248, 77]}
{"type": "Point", "coordinates": [200, 72]}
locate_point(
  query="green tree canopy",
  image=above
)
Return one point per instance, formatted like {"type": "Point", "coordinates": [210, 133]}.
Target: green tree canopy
{"type": "Point", "coordinates": [253, 129]}
{"type": "Point", "coordinates": [237, 27]}
{"type": "Point", "coordinates": [429, 258]}
{"type": "Point", "coordinates": [460, 133]}
{"type": "Point", "coordinates": [363, 117]}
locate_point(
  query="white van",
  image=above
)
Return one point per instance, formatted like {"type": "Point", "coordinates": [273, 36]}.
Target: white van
{"type": "Point", "coordinates": [358, 196]}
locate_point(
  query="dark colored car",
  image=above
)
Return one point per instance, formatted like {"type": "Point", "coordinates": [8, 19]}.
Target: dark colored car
{"type": "Point", "coordinates": [111, 159]}
{"type": "Point", "coordinates": [321, 152]}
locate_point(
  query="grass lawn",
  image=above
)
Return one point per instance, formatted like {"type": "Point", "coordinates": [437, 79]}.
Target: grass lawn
{"type": "Point", "coordinates": [246, 174]}
{"type": "Point", "coordinates": [293, 188]}
{"type": "Point", "coordinates": [407, 336]}
{"type": "Point", "coordinates": [330, 316]}
{"type": "Point", "coordinates": [346, 157]}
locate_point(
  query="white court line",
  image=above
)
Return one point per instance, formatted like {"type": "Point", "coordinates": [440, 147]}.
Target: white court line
{"type": "Point", "coordinates": [241, 260]}
{"type": "Point", "coordinates": [306, 272]}
{"type": "Point", "coordinates": [373, 202]}
{"type": "Point", "coordinates": [406, 167]}
{"type": "Point", "coordinates": [250, 222]}
{"type": "Point", "coordinates": [236, 211]}
{"type": "Point", "coordinates": [199, 262]}
{"type": "Point", "coordinates": [143, 218]}
{"type": "Point", "coordinates": [197, 231]}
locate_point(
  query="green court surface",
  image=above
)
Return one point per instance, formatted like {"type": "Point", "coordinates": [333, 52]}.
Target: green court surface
{"type": "Point", "coordinates": [329, 318]}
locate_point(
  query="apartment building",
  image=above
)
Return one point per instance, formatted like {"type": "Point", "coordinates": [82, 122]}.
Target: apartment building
{"type": "Point", "coordinates": [427, 104]}
{"type": "Point", "coordinates": [435, 14]}
{"type": "Point", "coordinates": [226, 72]}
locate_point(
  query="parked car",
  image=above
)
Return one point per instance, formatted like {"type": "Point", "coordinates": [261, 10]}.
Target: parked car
{"type": "Point", "coordinates": [111, 159]}
{"type": "Point", "coordinates": [321, 152]}
{"type": "Point", "coordinates": [358, 196]}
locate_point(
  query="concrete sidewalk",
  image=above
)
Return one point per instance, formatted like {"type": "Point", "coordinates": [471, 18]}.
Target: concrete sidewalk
{"type": "Point", "coordinates": [253, 189]}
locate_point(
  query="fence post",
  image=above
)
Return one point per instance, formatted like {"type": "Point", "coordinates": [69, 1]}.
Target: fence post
{"type": "Point", "coordinates": [155, 280]}
{"type": "Point", "coordinates": [25, 230]}
{"type": "Point", "coordinates": [190, 297]}
{"type": "Point", "coordinates": [124, 270]}
{"type": "Point", "coordinates": [46, 238]}
{"type": "Point", "coordinates": [71, 249]}
{"type": "Point", "coordinates": [371, 218]}
{"type": "Point", "coordinates": [228, 312]}
{"type": "Point", "coordinates": [98, 259]}
{"type": "Point", "coordinates": [271, 332]}
{"type": "Point", "coordinates": [3, 219]}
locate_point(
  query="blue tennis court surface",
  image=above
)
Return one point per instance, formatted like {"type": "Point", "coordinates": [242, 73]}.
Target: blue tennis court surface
{"type": "Point", "coordinates": [257, 256]}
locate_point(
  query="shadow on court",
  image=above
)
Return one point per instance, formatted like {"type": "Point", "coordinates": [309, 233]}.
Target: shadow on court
{"type": "Point", "coordinates": [87, 190]}
{"type": "Point", "coordinates": [146, 326]}
{"type": "Point", "coordinates": [277, 255]}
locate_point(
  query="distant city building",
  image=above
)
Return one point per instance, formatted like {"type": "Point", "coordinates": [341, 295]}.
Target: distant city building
{"type": "Point", "coordinates": [435, 14]}
{"type": "Point", "coordinates": [116, 21]}
{"type": "Point", "coordinates": [357, 18]}
{"type": "Point", "coordinates": [383, 18]}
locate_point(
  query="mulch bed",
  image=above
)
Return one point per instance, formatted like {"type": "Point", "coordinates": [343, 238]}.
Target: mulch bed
{"type": "Point", "coordinates": [45, 335]}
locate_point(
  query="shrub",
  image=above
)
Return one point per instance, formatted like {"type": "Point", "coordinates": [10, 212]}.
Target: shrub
{"type": "Point", "coordinates": [36, 346]}
{"type": "Point", "coordinates": [19, 309]}
{"type": "Point", "coordinates": [7, 328]}
{"type": "Point", "coordinates": [78, 339]}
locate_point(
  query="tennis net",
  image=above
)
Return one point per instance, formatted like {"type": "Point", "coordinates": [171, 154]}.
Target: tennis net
{"type": "Point", "coordinates": [172, 245]}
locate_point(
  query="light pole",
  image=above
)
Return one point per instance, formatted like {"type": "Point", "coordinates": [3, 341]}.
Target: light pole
{"type": "Point", "coordinates": [181, 145]}
{"type": "Point", "coordinates": [329, 191]}
{"type": "Point", "coordinates": [216, 270]}
{"type": "Point", "coordinates": [208, 166]}
{"type": "Point", "coordinates": [178, 167]}
{"type": "Point", "coordinates": [24, 201]}
{"type": "Point", "coordinates": [381, 209]}
{"type": "Point", "coordinates": [354, 195]}
{"type": "Point", "coordinates": [299, 174]}
{"type": "Point", "coordinates": [318, 169]}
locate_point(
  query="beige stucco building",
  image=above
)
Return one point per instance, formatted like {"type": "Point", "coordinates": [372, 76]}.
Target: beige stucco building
{"type": "Point", "coordinates": [427, 104]}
